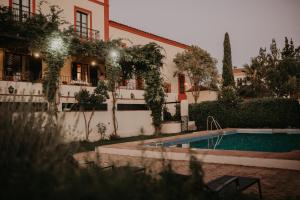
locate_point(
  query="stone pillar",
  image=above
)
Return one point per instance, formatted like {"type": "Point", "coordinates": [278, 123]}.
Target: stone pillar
{"type": "Point", "coordinates": [184, 112]}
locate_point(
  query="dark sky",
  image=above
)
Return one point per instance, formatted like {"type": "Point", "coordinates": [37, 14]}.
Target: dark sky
{"type": "Point", "coordinates": [250, 23]}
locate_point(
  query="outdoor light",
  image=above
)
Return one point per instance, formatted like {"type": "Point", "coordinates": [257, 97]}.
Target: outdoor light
{"type": "Point", "coordinates": [36, 54]}
{"type": "Point", "coordinates": [93, 63]}
{"type": "Point", "coordinates": [56, 44]}
{"type": "Point", "coordinates": [114, 54]}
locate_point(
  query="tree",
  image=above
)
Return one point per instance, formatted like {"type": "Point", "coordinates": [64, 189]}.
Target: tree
{"type": "Point", "coordinates": [255, 77]}
{"type": "Point", "coordinates": [200, 68]}
{"type": "Point", "coordinates": [86, 101]}
{"type": "Point", "coordinates": [113, 75]}
{"type": "Point", "coordinates": [229, 96]}
{"type": "Point", "coordinates": [273, 74]}
{"type": "Point", "coordinates": [228, 79]}
{"type": "Point", "coordinates": [283, 73]}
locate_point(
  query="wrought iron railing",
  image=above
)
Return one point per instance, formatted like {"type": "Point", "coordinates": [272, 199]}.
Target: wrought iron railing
{"type": "Point", "coordinates": [88, 33]}
{"type": "Point", "coordinates": [23, 77]}
{"type": "Point", "coordinates": [68, 80]}
{"type": "Point", "coordinates": [20, 15]}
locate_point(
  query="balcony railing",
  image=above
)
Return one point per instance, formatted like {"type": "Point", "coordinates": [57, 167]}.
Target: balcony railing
{"type": "Point", "coordinates": [67, 80]}
{"type": "Point", "coordinates": [20, 15]}
{"type": "Point", "coordinates": [22, 77]}
{"type": "Point", "coordinates": [88, 33]}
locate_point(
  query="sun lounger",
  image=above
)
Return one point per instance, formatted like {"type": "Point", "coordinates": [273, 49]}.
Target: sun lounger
{"type": "Point", "coordinates": [233, 184]}
{"type": "Point", "coordinates": [226, 187]}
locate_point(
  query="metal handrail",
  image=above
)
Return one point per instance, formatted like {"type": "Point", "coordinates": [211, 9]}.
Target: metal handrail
{"type": "Point", "coordinates": [217, 126]}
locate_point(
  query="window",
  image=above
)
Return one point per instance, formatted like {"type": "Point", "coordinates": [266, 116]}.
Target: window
{"type": "Point", "coordinates": [82, 24]}
{"type": "Point", "coordinates": [87, 107]}
{"type": "Point", "coordinates": [80, 72]}
{"type": "Point", "coordinates": [13, 66]}
{"type": "Point", "coordinates": [21, 9]}
{"type": "Point", "coordinates": [126, 107]}
{"type": "Point", "coordinates": [25, 106]}
{"type": "Point", "coordinates": [19, 67]}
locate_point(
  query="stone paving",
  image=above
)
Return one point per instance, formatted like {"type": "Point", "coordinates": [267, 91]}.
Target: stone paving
{"type": "Point", "coordinates": [276, 184]}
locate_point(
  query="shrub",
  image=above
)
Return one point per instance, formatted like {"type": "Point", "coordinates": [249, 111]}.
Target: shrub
{"type": "Point", "coordinates": [255, 113]}
{"type": "Point", "coordinates": [167, 116]}
{"type": "Point", "coordinates": [35, 165]}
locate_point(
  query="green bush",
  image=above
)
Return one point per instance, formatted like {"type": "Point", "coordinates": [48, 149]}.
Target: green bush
{"type": "Point", "coordinates": [255, 113]}
{"type": "Point", "coordinates": [35, 164]}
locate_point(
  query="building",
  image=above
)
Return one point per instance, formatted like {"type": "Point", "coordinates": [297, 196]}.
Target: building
{"type": "Point", "coordinates": [239, 75]}
{"type": "Point", "coordinates": [20, 74]}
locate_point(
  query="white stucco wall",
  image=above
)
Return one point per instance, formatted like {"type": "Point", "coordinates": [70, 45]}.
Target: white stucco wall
{"type": "Point", "coordinates": [170, 51]}
{"type": "Point", "coordinates": [205, 95]}
{"type": "Point", "coordinates": [130, 123]}
{"type": "Point", "coordinates": [4, 2]}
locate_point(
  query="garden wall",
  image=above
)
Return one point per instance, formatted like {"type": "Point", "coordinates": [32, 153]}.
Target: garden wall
{"type": "Point", "coordinates": [256, 113]}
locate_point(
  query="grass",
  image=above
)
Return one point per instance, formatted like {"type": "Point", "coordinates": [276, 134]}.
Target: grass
{"type": "Point", "coordinates": [83, 146]}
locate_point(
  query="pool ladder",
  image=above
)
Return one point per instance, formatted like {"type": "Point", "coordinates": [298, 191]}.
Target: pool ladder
{"type": "Point", "coordinates": [212, 123]}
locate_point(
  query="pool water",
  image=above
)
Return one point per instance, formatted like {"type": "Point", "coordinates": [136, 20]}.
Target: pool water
{"type": "Point", "coordinates": [279, 142]}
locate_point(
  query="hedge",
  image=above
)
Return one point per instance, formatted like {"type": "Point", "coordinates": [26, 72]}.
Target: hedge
{"type": "Point", "coordinates": [255, 113]}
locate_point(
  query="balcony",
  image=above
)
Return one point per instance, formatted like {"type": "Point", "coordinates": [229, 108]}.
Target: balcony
{"type": "Point", "coordinates": [87, 33]}
{"type": "Point", "coordinates": [20, 15]}
{"type": "Point", "coordinates": [27, 76]}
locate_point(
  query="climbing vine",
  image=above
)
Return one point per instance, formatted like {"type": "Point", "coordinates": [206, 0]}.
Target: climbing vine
{"type": "Point", "coordinates": [41, 33]}
{"type": "Point", "coordinates": [155, 96]}
{"type": "Point", "coordinates": [146, 61]}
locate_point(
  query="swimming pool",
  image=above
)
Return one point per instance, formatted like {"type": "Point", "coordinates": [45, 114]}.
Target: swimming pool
{"type": "Point", "coordinates": [262, 142]}
{"type": "Point", "coordinates": [278, 142]}
{"type": "Point", "coordinates": [267, 148]}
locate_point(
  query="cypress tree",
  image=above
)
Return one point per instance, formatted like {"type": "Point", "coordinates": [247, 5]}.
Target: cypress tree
{"type": "Point", "coordinates": [228, 79]}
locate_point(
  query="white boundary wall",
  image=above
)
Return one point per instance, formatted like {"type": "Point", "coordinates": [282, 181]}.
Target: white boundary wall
{"type": "Point", "coordinates": [130, 123]}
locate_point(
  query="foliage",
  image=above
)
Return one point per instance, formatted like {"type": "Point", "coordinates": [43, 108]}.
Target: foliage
{"type": "Point", "coordinates": [113, 75]}
{"type": "Point", "coordinates": [200, 68]}
{"type": "Point", "coordinates": [39, 32]}
{"type": "Point", "coordinates": [56, 45]}
{"type": "Point", "coordinates": [114, 137]}
{"type": "Point", "coordinates": [146, 61]}
{"type": "Point", "coordinates": [155, 96]}
{"type": "Point", "coordinates": [283, 75]}
{"type": "Point", "coordinates": [54, 51]}
{"type": "Point", "coordinates": [228, 95]}
{"type": "Point", "coordinates": [150, 69]}
{"type": "Point", "coordinates": [255, 113]}
{"type": "Point", "coordinates": [274, 74]}
{"type": "Point", "coordinates": [33, 28]}
{"type": "Point", "coordinates": [84, 99]}
{"type": "Point", "coordinates": [35, 164]}
{"type": "Point", "coordinates": [227, 75]}
{"type": "Point", "coordinates": [137, 59]}
{"type": "Point", "coordinates": [101, 130]}
{"type": "Point", "coordinates": [96, 49]}
{"type": "Point", "coordinates": [167, 116]}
